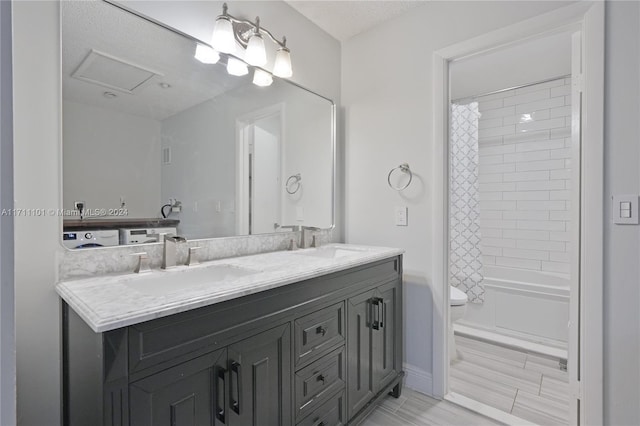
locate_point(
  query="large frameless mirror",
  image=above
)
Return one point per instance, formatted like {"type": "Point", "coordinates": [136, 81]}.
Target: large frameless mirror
{"type": "Point", "coordinates": [156, 141]}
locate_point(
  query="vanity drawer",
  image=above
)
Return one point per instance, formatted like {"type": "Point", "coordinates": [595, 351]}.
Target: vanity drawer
{"type": "Point", "coordinates": [317, 332]}
{"type": "Point", "coordinates": [316, 382]}
{"type": "Point", "coordinates": [331, 413]}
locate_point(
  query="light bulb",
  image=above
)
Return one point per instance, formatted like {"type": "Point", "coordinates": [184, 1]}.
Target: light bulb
{"type": "Point", "coordinates": [222, 39]}
{"type": "Point", "coordinates": [236, 67]}
{"type": "Point", "coordinates": [256, 53]}
{"type": "Point", "coordinates": [282, 65]}
{"type": "Point", "coordinates": [206, 55]}
{"type": "Point", "coordinates": [262, 78]}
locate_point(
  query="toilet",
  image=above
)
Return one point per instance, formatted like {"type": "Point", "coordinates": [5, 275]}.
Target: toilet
{"type": "Point", "coordinates": [458, 306]}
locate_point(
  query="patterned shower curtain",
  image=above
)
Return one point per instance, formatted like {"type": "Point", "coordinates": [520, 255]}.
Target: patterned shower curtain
{"type": "Point", "coordinates": [465, 257]}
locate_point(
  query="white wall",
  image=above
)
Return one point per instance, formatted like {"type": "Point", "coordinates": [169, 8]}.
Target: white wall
{"type": "Point", "coordinates": [388, 112]}
{"type": "Point", "coordinates": [622, 243]}
{"type": "Point", "coordinates": [522, 63]}
{"type": "Point", "coordinates": [37, 184]}
{"type": "Point", "coordinates": [7, 322]}
{"type": "Point", "coordinates": [38, 175]}
{"type": "Point", "coordinates": [104, 152]}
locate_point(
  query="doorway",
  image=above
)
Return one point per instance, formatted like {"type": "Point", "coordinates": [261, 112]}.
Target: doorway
{"type": "Point", "coordinates": [584, 338]}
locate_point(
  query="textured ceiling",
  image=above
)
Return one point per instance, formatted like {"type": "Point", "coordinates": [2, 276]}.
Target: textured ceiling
{"type": "Point", "coordinates": [345, 19]}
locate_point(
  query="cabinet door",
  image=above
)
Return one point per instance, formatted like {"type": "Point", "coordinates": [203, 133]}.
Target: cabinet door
{"type": "Point", "coordinates": [383, 356]}
{"type": "Point", "coordinates": [190, 394]}
{"type": "Point", "coordinates": [260, 379]}
{"type": "Point", "coordinates": [359, 378]}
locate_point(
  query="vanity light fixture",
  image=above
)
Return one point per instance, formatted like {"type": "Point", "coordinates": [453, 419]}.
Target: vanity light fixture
{"type": "Point", "coordinates": [229, 31]}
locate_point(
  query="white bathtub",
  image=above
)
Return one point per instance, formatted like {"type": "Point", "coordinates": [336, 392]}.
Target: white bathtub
{"type": "Point", "coordinates": [528, 305]}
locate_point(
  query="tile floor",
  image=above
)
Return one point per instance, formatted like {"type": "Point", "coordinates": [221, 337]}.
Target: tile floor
{"type": "Point", "coordinates": [416, 409]}
{"type": "Point", "coordinates": [528, 386]}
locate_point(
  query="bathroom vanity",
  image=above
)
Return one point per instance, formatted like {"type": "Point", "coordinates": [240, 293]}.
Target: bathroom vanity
{"type": "Point", "coordinates": [308, 337]}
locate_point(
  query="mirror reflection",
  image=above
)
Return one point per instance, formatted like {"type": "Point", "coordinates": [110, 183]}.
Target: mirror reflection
{"type": "Point", "coordinates": [156, 141]}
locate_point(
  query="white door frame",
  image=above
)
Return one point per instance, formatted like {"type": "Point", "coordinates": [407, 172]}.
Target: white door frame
{"type": "Point", "coordinates": [589, 18]}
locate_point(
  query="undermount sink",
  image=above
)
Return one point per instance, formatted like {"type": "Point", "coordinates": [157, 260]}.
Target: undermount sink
{"type": "Point", "coordinates": [330, 252]}
{"type": "Point", "coordinates": [180, 279]}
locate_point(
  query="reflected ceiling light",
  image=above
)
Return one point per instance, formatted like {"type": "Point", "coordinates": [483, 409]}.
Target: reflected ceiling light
{"type": "Point", "coordinates": [236, 67]}
{"type": "Point", "coordinates": [206, 54]}
{"type": "Point", "coordinates": [262, 78]}
{"type": "Point", "coordinates": [230, 32]}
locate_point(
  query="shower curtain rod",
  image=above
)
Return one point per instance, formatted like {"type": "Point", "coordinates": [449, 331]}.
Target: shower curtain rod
{"type": "Point", "coordinates": [510, 88]}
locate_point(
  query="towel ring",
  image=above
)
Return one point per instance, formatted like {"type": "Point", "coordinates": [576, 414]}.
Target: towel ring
{"type": "Point", "coordinates": [293, 180]}
{"type": "Point", "coordinates": [404, 168]}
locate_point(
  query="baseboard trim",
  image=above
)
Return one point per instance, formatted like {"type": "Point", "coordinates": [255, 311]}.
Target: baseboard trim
{"type": "Point", "coordinates": [418, 379]}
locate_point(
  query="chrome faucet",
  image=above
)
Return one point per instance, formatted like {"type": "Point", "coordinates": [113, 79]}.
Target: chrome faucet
{"type": "Point", "coordinates": [169, 251]}
{"type": "Point", "coordinates": [303, 237]}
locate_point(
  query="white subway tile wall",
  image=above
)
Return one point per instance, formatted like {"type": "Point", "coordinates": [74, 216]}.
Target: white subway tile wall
{"type": "Point", "coordinates": [525, 160]}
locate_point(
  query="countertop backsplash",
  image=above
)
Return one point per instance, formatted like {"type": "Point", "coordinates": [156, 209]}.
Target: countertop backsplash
{"type": "Point", "coordinates": [87, 262]}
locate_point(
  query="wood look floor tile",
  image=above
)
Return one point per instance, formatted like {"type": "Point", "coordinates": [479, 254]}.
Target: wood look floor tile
{"type": "Point", "coordinates": [501, 367]}
{"type": "Point", "coordinates": [382, 417]}
{"type": "Point", "coordinates": [498, 353]}
{"type": "Point", "coordinates": [392, 404]}
{"type": "Point", "coordinates": [483, 394]}
{"type": "Point", "coordinates": [547, 367]}
{"type": "Point", "coordinates": [555, 389]}
{"type": "Point", "coordinates": [470, 377]}
{"type": "Point", "coordinates": [422, 410]}
{"type": "Point", "coordinates": [540, 410]}
{"type": "Point", "coordinates": [494, 373]}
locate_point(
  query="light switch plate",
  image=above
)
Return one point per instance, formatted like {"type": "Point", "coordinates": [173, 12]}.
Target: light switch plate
{"type": "Point", "coordinates": [401, 216]}
{"type": "Point", "coordinates": [625, 209]}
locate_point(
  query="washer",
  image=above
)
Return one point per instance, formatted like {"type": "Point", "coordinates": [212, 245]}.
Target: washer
{"type": "Point", "coordinates": [143, 235]}
{"type": "Point", "coordinates": [90, 238]}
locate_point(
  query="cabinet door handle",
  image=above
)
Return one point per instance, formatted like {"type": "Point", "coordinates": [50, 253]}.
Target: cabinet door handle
{"type": "Point", "coordinates": [383, 317]}
{"type": "Point", "coordinates": [321, 330]}
{"type": "Point", "coordinates": [375, 316]}
{"type": "Point", "coordinates": [220, 378]}
{"type": "Point", "coordinates": [235, 402]}
{"type": "Point", "coordinates": [320, 378]}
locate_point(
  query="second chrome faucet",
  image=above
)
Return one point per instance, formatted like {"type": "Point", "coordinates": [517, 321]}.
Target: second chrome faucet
{"type": "Point", "coordinates": [169, 252]}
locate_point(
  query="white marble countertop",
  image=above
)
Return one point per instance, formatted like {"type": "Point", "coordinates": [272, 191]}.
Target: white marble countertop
{"type": "Point", "coordinates": [108, 302]}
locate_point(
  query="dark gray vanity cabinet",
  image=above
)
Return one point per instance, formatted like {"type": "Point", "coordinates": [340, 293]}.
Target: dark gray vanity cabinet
{"type": "Point", "coordinates": [260, 379]}
{"type": "Point", "coordinates": [233, 386]}
{"type": "Point", "coordinates": [191, 393]}
{"type": "Point", "coordinates": [374, 345]}
{"type": "Point", "coordinates": [317, 352]}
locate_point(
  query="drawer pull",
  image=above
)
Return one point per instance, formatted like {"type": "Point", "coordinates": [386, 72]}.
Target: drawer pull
{"type": "Point", "coordinates": [321, 330]}
{"type": "Point", "coordinates": [221, 406]}
{"type": "Point", "coordinates": [376, 323]}
{"type": "Point", "coordinates": [235, 402]}
{"type": "Point", "coordinates": [320, 378]}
